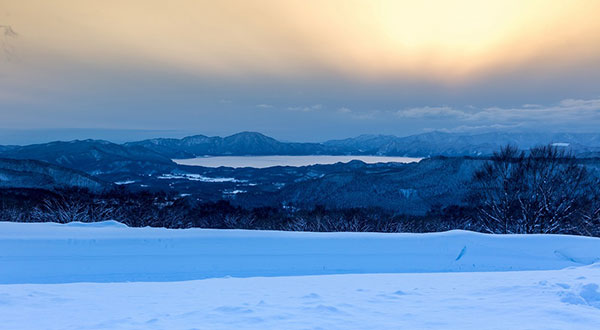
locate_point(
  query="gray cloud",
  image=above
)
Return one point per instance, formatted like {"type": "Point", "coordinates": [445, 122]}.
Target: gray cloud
{"type": "Point", "coordinates": [310, 108]}
{"type": "Point", "coordinates": [7, 33]}
{"type": "Point", "coordinates": [569, 110]}
{"type": "Point", "coordinates": [367, 115]}
{"type": "Point", "coordinates": [477, 129]}
{"type": "Point", "coordinates": [431, 112]}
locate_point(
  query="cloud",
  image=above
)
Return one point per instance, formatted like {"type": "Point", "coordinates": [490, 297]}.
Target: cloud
{"type": "Point", "coordinates": [264, 106]}
{"type": "Point", "coordinates": [565, 110]}
{"type": "Point", "coordinates": [566, 114]}
{"type": "Point", "coordinates": [476, 129]}
{"type": "Point", "coordinates": [373, 114]}
{"type": "Point", "coordinates": [365, 115]}
{"type": "Point", "coordinates": [286, 37]}
{"type": "Point", "coordinates": [532, 106]}
{"type": "Point", "coordinates": [5, 46]}
{"type": "Point", "coordinates": [361, 115]}
{"type": "Point", "coordinates": [431, 112]}
{"type": "Point", "coordinates": [569, 110]}
{"type": "Point", "coordinates": [310, 108]}
{"type": "Point", "coordinates": [8, 31]}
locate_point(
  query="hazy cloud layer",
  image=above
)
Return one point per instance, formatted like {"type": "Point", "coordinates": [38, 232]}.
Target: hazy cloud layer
{"type": "Point", "coordinates": [431, 112]}
{"type": "Point", "coordinates": [569, 110]}
{"type": "Point", "coordinates": [310, 108]}
{"type": "Point", "coordinates": [300, 70]}
{"type": "Point", "coordinates": [567, 114]}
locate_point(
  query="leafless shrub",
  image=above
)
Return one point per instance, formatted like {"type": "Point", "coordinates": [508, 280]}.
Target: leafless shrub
{"type": "Point", "coordinates": [62, 210]}
{"type": "Point", "coordinates": [542, 192]}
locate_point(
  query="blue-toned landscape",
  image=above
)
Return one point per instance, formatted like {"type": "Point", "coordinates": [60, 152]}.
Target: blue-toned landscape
{"type": "Point", "coordinates": [284, 164]}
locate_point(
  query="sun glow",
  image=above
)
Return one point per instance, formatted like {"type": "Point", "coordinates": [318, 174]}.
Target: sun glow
{"type": "Point", "coordinates": [446, 40]}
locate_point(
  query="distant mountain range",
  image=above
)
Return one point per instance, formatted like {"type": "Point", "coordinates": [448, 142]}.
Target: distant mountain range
{"type": "Point", "coordinates": [422, 145]}
{"type": "Point", "coordinates": [453, 144]}
{"type": "Point", "coordinates": [155, 155]}
{"type": "Point", "coordinates": [245, 144]}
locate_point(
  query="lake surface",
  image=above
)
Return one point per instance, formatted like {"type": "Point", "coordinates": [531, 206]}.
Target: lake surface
{"type": "Point", "coordinates": [270, 161]}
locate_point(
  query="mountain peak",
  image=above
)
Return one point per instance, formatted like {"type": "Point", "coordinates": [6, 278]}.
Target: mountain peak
{"type": "Point", "coordinates": [249, 134]}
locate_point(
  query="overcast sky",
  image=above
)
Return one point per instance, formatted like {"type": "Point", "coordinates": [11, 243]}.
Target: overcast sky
{"type": "Point", "coordinates": [297, 70]}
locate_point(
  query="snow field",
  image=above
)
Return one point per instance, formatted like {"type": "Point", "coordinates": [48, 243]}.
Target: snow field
{"type": "Point", "coordinates": [111, 252]}
{"type": "Point", "coordinates": [558, 299]}
{"type": "Point", "coordinates": [108, 276]}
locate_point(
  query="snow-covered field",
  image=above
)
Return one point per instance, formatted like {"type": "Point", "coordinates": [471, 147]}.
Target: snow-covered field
{"type": "Point", "coordinates": [106, 276]}
{"type": "Point", "coordinates": [563, 299]}
{"type": "Point", "coordinates": [269, 161]}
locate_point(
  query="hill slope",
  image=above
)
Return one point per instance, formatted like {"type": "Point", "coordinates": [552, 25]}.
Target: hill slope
{"type": "Point", "coordinates": [93, 156]}
{"type": "Point", "coordinates": [17, 173]}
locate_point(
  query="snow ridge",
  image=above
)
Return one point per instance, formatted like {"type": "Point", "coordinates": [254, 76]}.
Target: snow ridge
{"type": "Point", "coordinates": [112, 252]}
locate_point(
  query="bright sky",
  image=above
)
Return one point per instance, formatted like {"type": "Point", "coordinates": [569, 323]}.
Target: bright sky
{"type": "Point", "coordinates": [300, 70]}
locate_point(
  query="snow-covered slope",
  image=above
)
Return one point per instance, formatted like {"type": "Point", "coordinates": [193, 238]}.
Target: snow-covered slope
{"type": "Point", "coordinates": [111, 252]}
{"type": "Point", "coordinates": [556, 299]}
{"type": "Point", "coordinates": [442, 281]}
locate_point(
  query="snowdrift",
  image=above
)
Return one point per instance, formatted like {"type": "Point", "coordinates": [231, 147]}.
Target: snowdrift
{"type": "Point", "coordinates": [112, 252]}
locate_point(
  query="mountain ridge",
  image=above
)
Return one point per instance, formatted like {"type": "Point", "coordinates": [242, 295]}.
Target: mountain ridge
{"type": "Point", "coordinates": [91, 156]}
{"type": "Point", "coordinates": [242, 144]}
{"type": "Point", "coordinates": [419, 145]}
{"type": "Point", "coordinates": [99, 156]}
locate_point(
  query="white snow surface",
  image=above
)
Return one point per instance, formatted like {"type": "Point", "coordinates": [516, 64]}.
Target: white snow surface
{"type": "Point", "coordinates": [111, 252]}
{"type": "Point", "coordinates": [109, 276]}
{"type": "Point", "coordinates": [558, 299]}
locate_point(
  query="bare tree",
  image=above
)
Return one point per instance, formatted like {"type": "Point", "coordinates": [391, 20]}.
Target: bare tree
{"type": "Point", "coordinates": [541, 192]}
{"type": "Point", "coordinates": [590, 219]}
{"type": "Point", "coordinates": [62, 210]}
{"type": "Point", "coordinates": [497, 188]}
{"type": "Point", "coordinates": [238, 221]}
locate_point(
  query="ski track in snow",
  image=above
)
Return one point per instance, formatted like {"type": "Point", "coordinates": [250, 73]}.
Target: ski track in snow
{"type": "Point", "coordinates": [441, 281]}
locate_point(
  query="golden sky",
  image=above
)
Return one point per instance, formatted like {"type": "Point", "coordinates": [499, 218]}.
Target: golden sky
{"type": "Point", "coordinates": [440, 39]}
{"type": "Point", "coordinates": [352, 66]}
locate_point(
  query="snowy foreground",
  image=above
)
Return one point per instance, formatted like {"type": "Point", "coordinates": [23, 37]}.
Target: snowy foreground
{"type": "Point", "coordinates": [106, 276]}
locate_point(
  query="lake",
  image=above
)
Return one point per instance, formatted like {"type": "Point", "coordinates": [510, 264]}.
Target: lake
{"type": "Point", "coordinates": [270, 161]}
